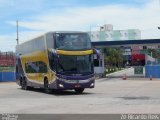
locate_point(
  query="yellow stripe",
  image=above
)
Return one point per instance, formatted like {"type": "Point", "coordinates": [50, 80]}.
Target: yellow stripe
{"type": "Point", "coordinates": [87, 52]}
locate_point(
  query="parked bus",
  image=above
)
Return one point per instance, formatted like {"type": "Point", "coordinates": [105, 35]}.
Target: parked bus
{"type": "Point", "coordinates": [56, 60]}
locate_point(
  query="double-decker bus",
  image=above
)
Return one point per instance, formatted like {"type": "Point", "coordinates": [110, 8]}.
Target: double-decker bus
{"type": "Point", "coordinates": [56, 60]}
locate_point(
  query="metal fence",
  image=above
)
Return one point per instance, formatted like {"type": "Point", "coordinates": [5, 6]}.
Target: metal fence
{"type": "Point", "coordinates": [7, 77]}
{"type": "Point", "coordinates": [152, 71]}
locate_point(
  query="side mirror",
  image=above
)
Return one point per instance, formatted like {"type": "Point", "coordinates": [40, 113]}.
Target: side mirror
{"type": "Point", "coordinates": [97, 53]}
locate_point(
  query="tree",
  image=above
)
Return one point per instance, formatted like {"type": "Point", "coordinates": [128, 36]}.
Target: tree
{"type": "Point", "coordinates": [114, 57]}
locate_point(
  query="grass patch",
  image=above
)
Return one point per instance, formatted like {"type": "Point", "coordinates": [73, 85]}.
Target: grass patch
{"type": "Point", "coordinates": [112, 70]}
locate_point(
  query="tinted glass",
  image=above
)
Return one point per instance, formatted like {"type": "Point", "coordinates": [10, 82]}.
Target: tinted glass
{"type": "Point", "coordinates": [73, 41]}
{"type": "Point", "coordinates": [42, 67]}
{"type": "Point", "coordinates": [52, 61]}
{"type": "Point", "coordinates": [36, 67]}
{"type": "Point", "coordinates": [75, 64]}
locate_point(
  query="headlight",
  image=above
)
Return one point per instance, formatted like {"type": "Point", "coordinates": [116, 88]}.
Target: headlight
{"type": "Point", "coordinates": [60, 85]}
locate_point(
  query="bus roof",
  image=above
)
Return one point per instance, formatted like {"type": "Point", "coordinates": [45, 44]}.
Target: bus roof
{"type": "Point", "coordinates": [38, 42]}
{"type": "Point", "coordinates": [51, 32]}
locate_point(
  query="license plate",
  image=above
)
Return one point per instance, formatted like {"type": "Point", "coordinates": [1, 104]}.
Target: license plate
{"type": "Point", "coordinates": [77, 86]}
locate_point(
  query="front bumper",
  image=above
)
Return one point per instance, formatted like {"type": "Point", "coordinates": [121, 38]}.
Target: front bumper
{"type": "Point", "coordinates": [72, 84]}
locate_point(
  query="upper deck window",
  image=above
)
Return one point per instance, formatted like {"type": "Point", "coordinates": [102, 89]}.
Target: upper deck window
{"type": "Point", "coordinates": [73, 41]}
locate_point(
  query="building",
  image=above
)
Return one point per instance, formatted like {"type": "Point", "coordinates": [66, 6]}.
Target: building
{"type": "Point", "coordinates": [107, 33]}
{"type": "Point", "coordinates": [7, 59]}
{"type": "Point", "coordinates": [132, 55]}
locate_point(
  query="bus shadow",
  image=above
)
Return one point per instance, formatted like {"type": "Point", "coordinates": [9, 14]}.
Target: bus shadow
{"type": "Point", "coordinates": [68, 92]}
{"type": "Point", "coordinates": [57, 92]}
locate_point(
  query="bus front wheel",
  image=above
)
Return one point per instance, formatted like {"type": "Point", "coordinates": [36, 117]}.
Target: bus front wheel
{"type": "Point", "coordinates": [46, 86]}
{"type": "Point", "coordinates": [79, 90]}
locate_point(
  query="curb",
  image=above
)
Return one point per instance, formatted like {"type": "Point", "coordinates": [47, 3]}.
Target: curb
{"type": "Point", "coordinates": [118, 71]}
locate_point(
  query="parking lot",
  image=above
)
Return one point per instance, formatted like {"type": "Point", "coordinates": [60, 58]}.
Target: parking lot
{"type": "Point", "coordinates": [110, 95]}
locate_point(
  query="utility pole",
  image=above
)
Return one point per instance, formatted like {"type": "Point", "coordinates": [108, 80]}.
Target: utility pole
{"type": "Point", "coordinates": [17, 33]}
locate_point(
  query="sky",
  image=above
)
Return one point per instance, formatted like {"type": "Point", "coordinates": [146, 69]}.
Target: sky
{"type": "Point", "coordinates": [39, 16]}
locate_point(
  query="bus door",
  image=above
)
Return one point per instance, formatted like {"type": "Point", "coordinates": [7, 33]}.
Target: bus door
{"type": "Point", "coordinates": [42, 72]}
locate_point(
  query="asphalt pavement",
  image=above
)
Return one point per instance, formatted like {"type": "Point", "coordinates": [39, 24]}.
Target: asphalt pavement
{"type": "Point", "coordinates": [110, 95]}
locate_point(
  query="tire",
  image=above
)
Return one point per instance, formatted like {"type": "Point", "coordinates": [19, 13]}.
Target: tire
{"type": "Point", "coordinates": [20, 82]}
{"type": "Point", "coordinates": [79, 90]}
{"type": "Point", "coordinates": [46, 86]}
{"type": "Point", "coordinates": [24, 84]}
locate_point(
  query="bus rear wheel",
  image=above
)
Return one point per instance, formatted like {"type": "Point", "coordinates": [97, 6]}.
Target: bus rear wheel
{"type": "Point", "coordinates": [79, 90]}
{"type": "Point", "coordinates": [24, 84]}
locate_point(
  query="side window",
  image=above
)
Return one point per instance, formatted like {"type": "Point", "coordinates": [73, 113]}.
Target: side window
{"type": "Point", "coordinates": [31, 67]}
{"type": "Point", "coordinates": [19, 66]}
{"type": "Point", "coordinates": [36, 67]}
{"type": "Point", "coordinates": [42, 67]}
{"type": "Point", "coordinates": [52, 63]}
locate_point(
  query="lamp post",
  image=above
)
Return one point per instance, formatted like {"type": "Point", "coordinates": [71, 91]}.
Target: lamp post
{"type": "Point", "coordinates": [17, 33]}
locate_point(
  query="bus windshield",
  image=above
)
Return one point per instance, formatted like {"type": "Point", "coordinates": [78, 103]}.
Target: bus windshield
{"type": "Point", "coordinates": [73, 41]}
{"type": "Point", "coordinates": [75, 64]}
